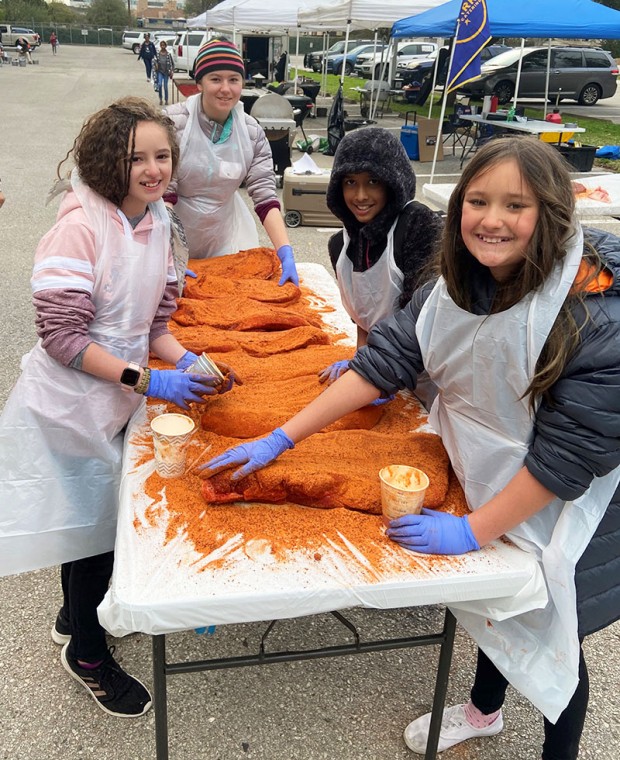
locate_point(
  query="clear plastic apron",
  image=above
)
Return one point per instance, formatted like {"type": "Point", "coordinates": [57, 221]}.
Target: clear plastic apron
{"type": "Point", "coordinates": [531, 639]}
{"type": "Point", "coordinates": [61, 431]}
{"type": "Point", "coordinates": [215, 217]}
{"type": "Point", "coordinates": [372, 295]}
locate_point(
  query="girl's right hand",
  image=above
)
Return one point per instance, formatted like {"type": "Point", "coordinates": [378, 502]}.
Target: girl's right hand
{"type": "Point", "coordinates": [254, 455]}
{"type": "Point", "coordinates": [181, 388]}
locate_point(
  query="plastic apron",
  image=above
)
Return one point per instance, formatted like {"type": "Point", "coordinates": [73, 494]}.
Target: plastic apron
{"type": "Point", "coordinates": [61, 432]}
{"type": "Point", "coordinates": [531, 639]}
{"type": "Point", "coordinates": [372, 295]}
{"type": "Point", "coordinates": [216, 219]}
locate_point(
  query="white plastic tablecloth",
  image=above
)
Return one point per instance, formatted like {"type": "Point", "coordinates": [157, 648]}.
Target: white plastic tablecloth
{"type": "Point", "coordinates": [440, 193]}
{"type": "Point", "coordinates": [162, 587]}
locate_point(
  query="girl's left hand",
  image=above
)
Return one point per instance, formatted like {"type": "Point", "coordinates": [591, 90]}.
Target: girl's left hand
{"type": "Point", "coordinates": [433, 532]}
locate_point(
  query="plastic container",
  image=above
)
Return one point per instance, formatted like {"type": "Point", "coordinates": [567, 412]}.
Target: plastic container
{"type": "Point", "coordinates": [555, 117]}
{"type": "Point", "coordinates": [403, 489]}
{"type": "Point", "coordinates": [409, 139]}
{"type": "Point", "coordinates": [581, 158]}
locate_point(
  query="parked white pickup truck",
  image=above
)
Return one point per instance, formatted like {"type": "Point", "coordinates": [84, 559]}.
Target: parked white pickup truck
{"type": "Point", "coordinates": [10, 34]}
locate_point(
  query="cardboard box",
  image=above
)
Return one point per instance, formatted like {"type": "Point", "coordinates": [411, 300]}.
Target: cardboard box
{"type": "Point", "coordinates": [427, 138]}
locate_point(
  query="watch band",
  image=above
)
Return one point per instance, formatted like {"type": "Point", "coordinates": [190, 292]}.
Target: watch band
{"type": "Point", "coordinates": [143, 385]}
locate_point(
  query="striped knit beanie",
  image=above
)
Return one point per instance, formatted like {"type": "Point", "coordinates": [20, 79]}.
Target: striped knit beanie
{"type": "Point", "coordinates": [218, 55]}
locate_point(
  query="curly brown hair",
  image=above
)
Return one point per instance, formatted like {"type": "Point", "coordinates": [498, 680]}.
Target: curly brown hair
{"type": "Point", "coordinates": [546, 173]}
{"type": "Point", "coordinates": [103, 150]}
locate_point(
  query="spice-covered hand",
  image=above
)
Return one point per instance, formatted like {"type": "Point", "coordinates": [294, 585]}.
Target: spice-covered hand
{"type": "Point", "coordinates": [186, 360]}
{"type": "Point", "coordinates": [230, 377]}
{"type": "Point", "coordinates": [433, 532]}
{"type": "Point", "coordinates": [181, 388]}
{"type": "Point", "coordinates": [333, 372]}
{"type": "Point", "coordinates": [289, 270]}
{"type": "Point", "coordinates": [254, 455]}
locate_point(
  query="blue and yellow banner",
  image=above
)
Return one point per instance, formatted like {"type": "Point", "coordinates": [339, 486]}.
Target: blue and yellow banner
{"type": "Point", "coordinates": [471, 36]}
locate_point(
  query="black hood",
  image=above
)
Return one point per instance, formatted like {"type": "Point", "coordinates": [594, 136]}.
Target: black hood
{"type": "Point", "coordinates": [379, 152]}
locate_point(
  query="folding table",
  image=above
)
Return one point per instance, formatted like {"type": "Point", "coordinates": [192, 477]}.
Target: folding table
{"type": "Point", "coordinates": [163, 585]}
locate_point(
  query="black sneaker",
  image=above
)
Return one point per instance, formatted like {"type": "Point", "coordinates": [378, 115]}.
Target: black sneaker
{"type": "Point", "coordinates": [61, 633]}
{"type": "Point", "coordinates": [115, 691]}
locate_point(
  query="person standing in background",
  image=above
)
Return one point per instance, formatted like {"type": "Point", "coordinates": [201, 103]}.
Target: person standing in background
{"type": "Point", "coordinates": [2, 197]}
{"type": "Point", "coordinates": [222, 147]}
{"type": "Point", "coordinates": [146, 54]}
{"type": "Point", "coordinates": [54, 42]}
{"type": "Point", "coordinates": [163, 65]}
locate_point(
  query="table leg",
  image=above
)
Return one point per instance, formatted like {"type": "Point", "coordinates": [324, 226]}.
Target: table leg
{"type": "Point", "coordinates": [441, 685]}
{"type": "Point", "coordinates": [159, 694]}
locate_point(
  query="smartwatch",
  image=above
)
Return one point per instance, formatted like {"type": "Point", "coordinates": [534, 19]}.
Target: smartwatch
{"type": "Point", "coordinates": [131, 375]}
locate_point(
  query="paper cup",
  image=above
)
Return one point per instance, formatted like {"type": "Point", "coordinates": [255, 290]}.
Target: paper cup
{"type": "Point", "coordinates": [403, 489]}
{"type": "Point", "coordinates": [204, 365]}
{"type": "Point", "coordinates": [171, 434]}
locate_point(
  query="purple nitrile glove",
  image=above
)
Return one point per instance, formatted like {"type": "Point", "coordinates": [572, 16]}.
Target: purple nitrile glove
{"type": "Point", "coordinates": [181, 388]}
{"type": "Point", "coordinates": [254, 455]}
{"type": "Point", "coordinates": [333, 372]}
{"type": "Point", "coordinates": [289, 271]}
{"type": "Point", "coordinates": [186, 360]}
{"type": "Point", "coordinates": [380, 401]}
{"type": "Point", "coordinates": [433, 532]}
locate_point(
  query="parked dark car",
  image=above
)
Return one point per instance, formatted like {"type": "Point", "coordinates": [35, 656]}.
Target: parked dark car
{"type": "Point", "coordinates": [413, 71]}
{"type": "Point", "coordinates": [580, 73]}
{"type": "Point", "coordinates": [314, 60]}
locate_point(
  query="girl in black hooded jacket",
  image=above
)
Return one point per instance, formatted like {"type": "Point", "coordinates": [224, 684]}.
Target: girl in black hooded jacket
{"type": "Point", "coordinates": [388, 237]}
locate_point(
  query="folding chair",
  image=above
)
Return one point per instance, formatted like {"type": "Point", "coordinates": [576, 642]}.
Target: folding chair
{"type": "Point", "coordinates": [458, 129]}
{"type": "Point", "coordinates": [369, 95]}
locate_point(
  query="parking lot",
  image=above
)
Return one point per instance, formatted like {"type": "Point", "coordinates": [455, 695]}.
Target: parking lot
{"type": "Point", "coordinates": [353, 708]}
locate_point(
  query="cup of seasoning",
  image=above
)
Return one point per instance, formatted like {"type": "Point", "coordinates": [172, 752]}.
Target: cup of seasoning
{"type": "Point", "coordinates": [204, 365]}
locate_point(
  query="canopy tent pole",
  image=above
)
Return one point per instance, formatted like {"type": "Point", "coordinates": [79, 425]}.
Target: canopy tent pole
{"type": "Point", "coordinates": [324, 65]}
{"type": "Point", "coordinates": [296, 62]}
{"type": "Point", "coordinates": [547, 77]}
{"type": "Point", "coordinates": [443, 103]}
{"type": "Point", "coordinates": [518, 81]}
{"type": "Point", "coordinates": [435, 73]}
{"type": "Point", "coordinates": [346, 48]}
{"type": "Point", "coordinates": [371, 113]}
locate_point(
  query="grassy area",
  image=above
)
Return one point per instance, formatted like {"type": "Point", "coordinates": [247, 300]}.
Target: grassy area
{"type": "Point", "coordinates": [598, 132]}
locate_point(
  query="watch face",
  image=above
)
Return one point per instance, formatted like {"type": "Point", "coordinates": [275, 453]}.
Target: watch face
{"type": "Point", "coordinates": [130, 376]}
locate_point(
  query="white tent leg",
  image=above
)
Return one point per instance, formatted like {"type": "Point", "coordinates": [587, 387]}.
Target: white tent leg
{"type": "Point", "coordinates": [296, 62]}
{"type": "Point", "coordinates": [547, 77]}
{"type": "Point", "coordinates": [346, 48]}
{"type": "Point", "coordinates": [443, 104]}
{"type": "Point", "coordinates": [518, 81]}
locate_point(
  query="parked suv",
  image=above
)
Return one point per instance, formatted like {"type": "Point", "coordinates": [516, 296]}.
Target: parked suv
{"type": "Point", "coordinates": [186, 47]}
{"type": "Point", "coordinates": [314, 60]}
{"type": "Point", "coordinates": [369, 65]}
{"type": "Point", "coordinates": [416, 70]}
{"type": "Point", "coordinates": [583, 74]}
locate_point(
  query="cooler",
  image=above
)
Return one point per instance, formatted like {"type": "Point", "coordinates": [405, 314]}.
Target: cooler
{"type": "Point", "coordinates": [409, 139]}
{"type": "Point", "coordinates": [303, 200]}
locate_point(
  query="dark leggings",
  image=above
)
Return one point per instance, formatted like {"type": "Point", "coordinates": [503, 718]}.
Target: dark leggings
{"type": "Point", "coordinates": [561, 738]}
{"type": "Point", "coordinates": [84, 584]}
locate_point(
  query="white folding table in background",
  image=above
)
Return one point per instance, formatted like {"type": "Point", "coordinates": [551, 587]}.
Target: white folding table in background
{"type": "Point", "coordinates": [162, 586]}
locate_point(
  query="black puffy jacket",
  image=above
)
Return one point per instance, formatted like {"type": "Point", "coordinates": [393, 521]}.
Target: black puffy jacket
{"type": "Point", "coordinates": [576, 431]}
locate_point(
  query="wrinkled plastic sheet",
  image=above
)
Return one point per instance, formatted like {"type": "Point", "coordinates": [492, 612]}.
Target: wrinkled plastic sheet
{"type": "Point", "coordinates": [586, 208]}
{"type": "Point", "coordinates": [161, 586]}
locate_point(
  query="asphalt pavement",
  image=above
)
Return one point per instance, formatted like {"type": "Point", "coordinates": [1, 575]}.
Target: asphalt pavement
{"type": "Point", "coordinates": [353, 708]}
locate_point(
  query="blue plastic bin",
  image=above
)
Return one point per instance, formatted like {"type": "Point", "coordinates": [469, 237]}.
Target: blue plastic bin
{"type": "Point", "coordinates": [409, 139]}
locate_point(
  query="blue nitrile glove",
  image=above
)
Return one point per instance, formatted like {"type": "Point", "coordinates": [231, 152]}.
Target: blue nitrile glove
{"type": "Point", "coordinates": [181, 388]}
{"type": "Point", "coordinates": [289, 271]}
{"type": "Point", "coordinates": [380, 401]}
{"type": "Point", "coordinates": [190, 273]}
{"type": "Point", "coordinates": [433, 532]}
{"type": "Point", "coordinates": [186, 360]}
{"type": "Point", "coordinates": [209, 631]}
{"type": "Point", "coordinates": [257, 454]}
{"type": "Point", "coordinates": [333, 372]}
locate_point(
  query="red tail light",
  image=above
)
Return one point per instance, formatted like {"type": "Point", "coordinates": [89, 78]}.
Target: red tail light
{"type": "Point", "coordinates": [180, 51]}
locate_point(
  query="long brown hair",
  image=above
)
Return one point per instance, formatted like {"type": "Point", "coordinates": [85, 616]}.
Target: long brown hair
{"type": "Point", "coordinates": [546, 173]}
{"type": "Point", "coordinates": [103, 150]}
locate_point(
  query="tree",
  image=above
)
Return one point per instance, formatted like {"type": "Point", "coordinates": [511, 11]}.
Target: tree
{"type": "Point", "coordinates": [62, 14]}
{"type": "Point", "coordinates": [107, 13]}
{"type": "Point", "coordinates": [193, 8]}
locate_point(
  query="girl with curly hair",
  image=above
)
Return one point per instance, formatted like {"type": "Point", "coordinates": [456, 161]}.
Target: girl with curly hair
{"type": "Point", "coordinates": [104, 287]}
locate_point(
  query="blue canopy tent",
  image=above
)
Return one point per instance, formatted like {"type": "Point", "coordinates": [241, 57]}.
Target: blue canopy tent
{"type": "Point", "coordinates": [570, 19]}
